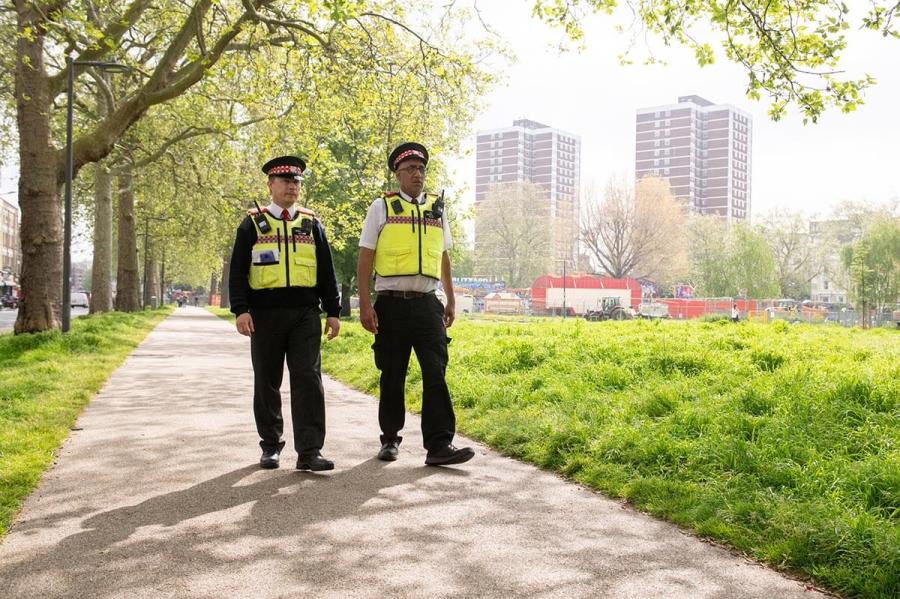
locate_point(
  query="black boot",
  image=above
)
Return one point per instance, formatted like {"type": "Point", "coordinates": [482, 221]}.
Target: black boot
{"type": "Point", "coordinates": [389, 450]}
{"type": "Point", "coordinates": [448, 454]}
{"type": "Point", "coordinates": [313, 460]}
{"type": "Point", "coordinates": [270, 458]}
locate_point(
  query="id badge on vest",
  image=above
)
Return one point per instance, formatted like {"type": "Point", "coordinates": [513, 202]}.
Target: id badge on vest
{"type": "Point", "coordinates": [265, 257]}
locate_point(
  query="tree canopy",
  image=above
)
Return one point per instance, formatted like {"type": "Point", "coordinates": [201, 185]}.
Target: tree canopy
{"type": "Point", "coordinates": [791, 50]}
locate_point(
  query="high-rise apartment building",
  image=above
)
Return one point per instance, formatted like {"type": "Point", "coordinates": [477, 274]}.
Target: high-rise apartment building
{"type": "Point", "coordinates": [536, 153]}
{"type": "Point", "coordinates": [703, 149]}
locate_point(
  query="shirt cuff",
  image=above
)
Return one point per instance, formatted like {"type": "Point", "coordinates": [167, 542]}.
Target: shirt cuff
{"type": "Point", "coordinates": [366, 245]}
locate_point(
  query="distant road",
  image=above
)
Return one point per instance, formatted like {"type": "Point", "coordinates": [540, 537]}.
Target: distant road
{"type": "Point", "coordinates": [8, 318]}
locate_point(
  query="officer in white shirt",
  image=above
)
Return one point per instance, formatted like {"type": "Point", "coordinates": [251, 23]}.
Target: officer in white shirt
{"type": "Point", "coordinates": [404, 240]}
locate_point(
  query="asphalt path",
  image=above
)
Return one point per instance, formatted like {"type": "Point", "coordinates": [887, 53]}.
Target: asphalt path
{"type": "Point", "coordinates": [157, 493]}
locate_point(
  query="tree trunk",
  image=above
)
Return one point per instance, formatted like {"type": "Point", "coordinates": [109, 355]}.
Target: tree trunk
{"type": "Point", "coordinates": [127, 275]}
{"type": "Point", "coordinates": [224, 299]}
{"type": "Point", "coordinates": [152, 283]}
{"type": "Point", "coordinates": [345, 298]}
{"type": "Point", "coordinates": [162, 279]}
{"type": "Point", "coordinates": [101, 284]}
{"type": "Point", "coordinates": [42, 228]}
{"type": "Point", "coordinates": [213, 282]}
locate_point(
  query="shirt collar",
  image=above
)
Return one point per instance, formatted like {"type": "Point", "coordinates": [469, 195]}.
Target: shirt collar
{"type": "Point", "coordinates": [410, 199]}
{"type": "Point", "coordinates": [275, 210]}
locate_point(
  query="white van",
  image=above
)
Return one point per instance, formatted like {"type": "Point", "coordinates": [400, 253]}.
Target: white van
{"type": "Point", "coordinates": [79, 298]}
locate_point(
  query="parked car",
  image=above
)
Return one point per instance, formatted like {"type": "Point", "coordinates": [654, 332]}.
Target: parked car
{"type": "Point", "coordinates": [9, 301]}
{"type": "Point", "coordinates": [79, 298]}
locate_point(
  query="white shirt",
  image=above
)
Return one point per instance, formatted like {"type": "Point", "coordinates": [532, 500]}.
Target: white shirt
{"type": "Point", "coordinates": [275, 210]}
{"type": "Point", "coordinates": [376, 217]}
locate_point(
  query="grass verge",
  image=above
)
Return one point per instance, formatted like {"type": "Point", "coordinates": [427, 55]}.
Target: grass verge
{"type": "Point", "coordinates": [780, 440]}
{"type": "Point", "coordinates": [47, 378]}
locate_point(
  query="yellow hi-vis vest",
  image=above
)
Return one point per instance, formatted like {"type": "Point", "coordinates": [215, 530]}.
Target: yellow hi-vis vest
{"type": "Point", "coordinates": [411, 242]}
{"type": "Point", "coordinates": [284, 256]}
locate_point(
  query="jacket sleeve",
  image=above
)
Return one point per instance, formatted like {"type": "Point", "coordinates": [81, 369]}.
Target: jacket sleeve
{"type": "Point", "coordinates": [239, 272]}
{"type": "Point", "coordinates": [326, 280]}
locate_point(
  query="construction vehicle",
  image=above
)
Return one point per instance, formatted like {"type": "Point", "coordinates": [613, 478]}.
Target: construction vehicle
{"type": "Point", "coordinates": [610, 309]}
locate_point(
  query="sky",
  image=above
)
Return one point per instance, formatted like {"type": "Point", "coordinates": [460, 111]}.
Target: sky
{"type": "Point", "coordinates": [807, 168]}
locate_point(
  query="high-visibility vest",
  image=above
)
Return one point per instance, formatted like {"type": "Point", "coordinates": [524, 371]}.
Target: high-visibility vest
{"type": "Point", "coordinates": [285, 255]}
{"type": "Point", "coordinates": [412, 240]}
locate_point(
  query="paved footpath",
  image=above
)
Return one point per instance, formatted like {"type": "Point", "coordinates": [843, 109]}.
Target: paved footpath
{"type": "Point", "coordinates": [156, 493]}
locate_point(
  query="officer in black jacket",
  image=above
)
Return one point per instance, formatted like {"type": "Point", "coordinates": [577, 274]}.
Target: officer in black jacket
{"type": "Point", "coordinates": [281, 278]}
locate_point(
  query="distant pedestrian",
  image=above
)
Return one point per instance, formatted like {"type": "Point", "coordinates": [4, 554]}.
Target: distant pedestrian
{"type": "Point", "coordinates": [281, 278]}
{"type": "Point", "coordinates": [735, 314]}
{"type": "Point", "coordinates": [405, 238]}
{"type": "Point", "coordinates": [196, 301]}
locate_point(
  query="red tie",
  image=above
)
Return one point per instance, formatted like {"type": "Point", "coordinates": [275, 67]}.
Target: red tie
{"type": "Point", "coordinates": [285, 215]}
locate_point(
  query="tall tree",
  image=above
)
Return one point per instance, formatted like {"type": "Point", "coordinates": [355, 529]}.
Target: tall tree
{"type": "Point", "coordinates": [636, 232]}
{"type": "Point", "coordinates": [795, 251]}
{"type": "Point", "coordinates": [709, 256]}
{"type": "Point", "coordinates": [174, 45]}
{"type": "Point", "coordinates": [730, 260]}
{"type": "Point", "coordinates": [513, 234]}
{"type": "Point", "coordinates": [790, 50]}
{"type": "Point", "coordinates": [101, 268]}
{"type": "Point", "coordinates": [873, 263]}
{"type": "Point", "coordinates": [751, 263]}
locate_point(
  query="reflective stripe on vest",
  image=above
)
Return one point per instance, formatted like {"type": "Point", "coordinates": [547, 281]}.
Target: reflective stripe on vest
{"type": "Point", "coordinates": [283, 255]}
{"type": "Point", "coordinates": [409, 243]}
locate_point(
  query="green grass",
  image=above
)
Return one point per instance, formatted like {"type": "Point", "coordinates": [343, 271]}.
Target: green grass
{"type": "Point", "coordinates": [47, 378]}
{"type": "Point", "coordinates": [223, 313]}
{"type": "Point", "coordinates": [780, 440]}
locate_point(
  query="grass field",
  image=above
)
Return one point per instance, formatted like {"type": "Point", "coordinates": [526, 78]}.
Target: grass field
{"type": "Point", "coordinates": [46, 380]}
{"type": "Point", "coordinates": [780, 440]}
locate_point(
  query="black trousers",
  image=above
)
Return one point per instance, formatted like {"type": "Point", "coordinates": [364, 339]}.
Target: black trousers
{"type": "Point", "coordinates": [295, 334]}
{"type": "Point", "coordinates": [405, 325]}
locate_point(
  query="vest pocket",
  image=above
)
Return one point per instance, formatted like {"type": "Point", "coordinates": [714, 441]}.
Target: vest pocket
{"type": "Point", "coordinates": [433, 266]}
{"type": "Point", "coordinates": [398, 259]}
{"type": "Point", "coordinates": [264, 277]}
{"type": "Point", "coordinates": [303, 271]}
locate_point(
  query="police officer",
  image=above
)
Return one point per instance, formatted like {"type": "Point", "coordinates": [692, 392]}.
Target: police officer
{"type": "Point", "coordinates": [405, 238]}
{"type": "Point", "coordinates": [282, 276]}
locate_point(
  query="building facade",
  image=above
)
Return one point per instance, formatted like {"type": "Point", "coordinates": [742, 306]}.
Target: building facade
{"type": "Point", "coordinates": [535, 153]}
{"type": "Point", "coordinates": [703, 149]}
{"type": "Point", "coordinates": [10, 249]}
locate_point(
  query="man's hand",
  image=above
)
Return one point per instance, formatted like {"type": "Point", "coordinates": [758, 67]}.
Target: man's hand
{"type": "Point", "coordinates": [368, 317]}
{"type": "Point", "coordinates": [449, 314]}
{"type": "Point", "coordinates": [244, 324]}
{"type": "Point", "coordinates": [332, 327]}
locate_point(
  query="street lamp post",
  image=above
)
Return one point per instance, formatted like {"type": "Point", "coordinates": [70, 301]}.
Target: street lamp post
{"type": "Point", "coordinates": [109, 67]}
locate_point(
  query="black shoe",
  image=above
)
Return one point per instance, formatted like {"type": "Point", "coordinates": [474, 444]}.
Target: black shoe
{"type": "Point", "coordinates": [448, 454]}
{"type": "Point", "coordinates": [314, 461]}
{"type": "Point", "coordinates": [269, 458]}
{"type": "Point", "coordinates": [389, 450]}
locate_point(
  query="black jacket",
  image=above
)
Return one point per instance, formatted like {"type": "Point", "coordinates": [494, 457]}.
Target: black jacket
{"type": "Point", "coordinates": [243, 299]}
